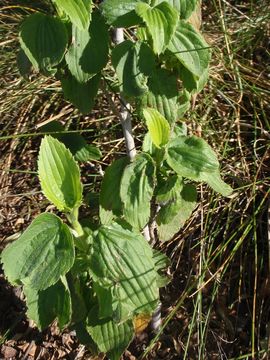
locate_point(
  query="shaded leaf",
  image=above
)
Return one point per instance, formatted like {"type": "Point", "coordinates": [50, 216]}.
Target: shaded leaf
{"type": "Point", "coordinates": [110, 337]}
{"type": "Point", "coordinates": [168, 189]}
{"type": "Point", "coordinates": [163, 94]}
{"type": "Point", "coordinates": [47, 305]}
{"type": "Point", "coordinates": [190, 82]}
{"type": "Point", "coordinates": [129, 66]}
{"type": "Point", "coordinates": [88, 53]}
{"type": "Point", "coordinates": [44, 39]}
{"type": "Point", "coordinates": [82, 95]}
{"type": "Point", "coordinates": [179, 129]}
{"type": "Point", "coordinates": [110, 187]}
{"type": "Point", "coordinates": [24, 64]}
{"type": "Point", "coordinates": [120, 13]}
{"type": "Point", "coordinates": [136, 190]}
{"type": "Point", "coordinates": [43, 253]}
{"type": "Point", "coordinates": [158, 126]}
{"type": "Point", "coordinates": [74, 142]}
{"type": "Point", "coordinates": [59, 175]}
{"type": "Point", "coordinates": [161, 263]}
{"type": "Point", "coordinates": [161, 22]}
{"type": "Point", "coordinates": [172, 216]}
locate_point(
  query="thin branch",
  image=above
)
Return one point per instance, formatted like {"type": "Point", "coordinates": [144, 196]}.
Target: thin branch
{"type": "Point", "coordinates": [125, 116]}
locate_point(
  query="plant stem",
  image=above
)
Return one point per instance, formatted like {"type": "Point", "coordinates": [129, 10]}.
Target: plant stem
{"type": "Point", "coordinates": [125, 118]}
{"type": "Point", "coordinates": [73, 218]}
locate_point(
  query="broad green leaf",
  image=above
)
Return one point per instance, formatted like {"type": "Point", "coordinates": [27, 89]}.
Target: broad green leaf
{"type": "Point", "coordinates": [158, 126]}
{"type": "Point", "coordinates": [79, 11]}
{"type": "Point", "coordinates": [191, 156]}
{"type": "Point", "coordinates": [190, 82]}
{"type": "Point", "coordinates": [179, 130]}
{"type": "Point", "coordinates": [43, 253]}
{"type": "Point", "coordinates": [122, 262]}
{"type": "Point", "coordinates": [84, 337]}
{"type": "Point", "coordinates": [44, 39]}
{"type": "Point", "coordinates": [172, 216]}
{"type": "Point", "coordinates": [78, 301]}
{"type": "Point", "coordinates": [24, 64]}
{"type": "Point", "coordinates": [104, 297]}
{"type": "Point", "coordinates": [161, 263]}
{"type": "Point", "coordinates": [120, 13]}
{"type": "Point", "coordinates": [184, 7]}
{"type": "Point", "coordinates": [161, 22]}
{"type": "Point", "coordinates": [216, 183]}
{"type": "Point", "coordinates": [59, 175]}
{"type": "Point", "coordinates": [73, 141]}
{"type": "Point", "coordinates": [136, 190]}
{"type": "Point", "coordinates": [82, 95]}
{"type": "Point", "coordinates": [168, 189]}
{"type": "Point", "coordinates": [148, 145]}
{"type": "Point", "coordinates": [184, 103]}
{"type": "Point", "coordinates": [88, 53]}
{"type": "Point", "coordinates": [130, 67]}
{"type": "Point", "coordinates": [190, 48]}
{"type": "Point", "coordinates": [110, 187]}
{"type": "Point", "coordinates": [79, 148]}
{"type": "Point", "coordinates": [110, 337]}
{"type": "Point", "coordinates": [163, 94]}
{"type": "Point", "coordinates": [44, 306]}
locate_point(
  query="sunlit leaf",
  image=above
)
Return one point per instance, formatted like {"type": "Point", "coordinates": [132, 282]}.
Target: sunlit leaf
{"type": "Point", "coordinates": [122, 262]}
{"type": "Point", "coordinates": [59, 175]}
{"type": "Point", "coordinates": [184, 7]}
{"type": "Point", "coordinates": [110, 337]}
{"type": "Point", "coordinates": [43, 253]}
{"type": "Point", "coordinates": [75, 142]}
{"type": "Point", "coordinates": [158, 127]}
{"type": "Point", "coordinates": [191, 156]}
{"type": "Point", "coordinates": [161, 22]}
{"type": "Point", "coordinates": [190, 48]}
{"type": "Point", "coordinates": [136, 191]}
{"type": "Point", "coordinates": [79, 11]}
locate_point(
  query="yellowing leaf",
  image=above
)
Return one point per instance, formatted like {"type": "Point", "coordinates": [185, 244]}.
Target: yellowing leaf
{"type": "Point", "coordinates": [59, 175]}
{"type": "Point", "coordinates": [158, 127]}
{"type": "Point", "coordinates": [140, 322]}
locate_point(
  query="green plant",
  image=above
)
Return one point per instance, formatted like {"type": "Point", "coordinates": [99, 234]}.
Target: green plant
{"type": "Point", "coordinates": [99, 274]}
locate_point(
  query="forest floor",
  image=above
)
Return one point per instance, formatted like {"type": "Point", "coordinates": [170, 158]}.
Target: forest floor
{"type": "Point", "coordinates": [217, 305]}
